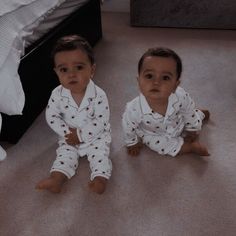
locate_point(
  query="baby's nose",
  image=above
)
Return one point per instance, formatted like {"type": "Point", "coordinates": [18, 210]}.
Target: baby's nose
{"type": "Point", "coordinates": [156, 81]}
{"type": "Point", "coordinates": [72, 73]}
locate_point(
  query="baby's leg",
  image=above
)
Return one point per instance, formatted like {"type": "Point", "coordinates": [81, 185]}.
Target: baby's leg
{"type": "Point", "coordinates": [54, 183]}
{"type": "Point", "coordinates": [163, 145]}
{"type": "Point", "coordinates": [194, 147]}
{"type": "Point", "coordinates": [100, 166]}
{"type": "Point", "coordinates": [63, 168]}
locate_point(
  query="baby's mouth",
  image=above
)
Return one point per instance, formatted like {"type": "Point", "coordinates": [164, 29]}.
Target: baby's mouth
{"type": "Point", "coordinates": [155, 90]}
{"type": "Point", "coordinates": [72, 82]}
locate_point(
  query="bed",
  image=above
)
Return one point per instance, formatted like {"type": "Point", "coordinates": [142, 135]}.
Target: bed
{"type": "Point", "coordinates": [26, 74]}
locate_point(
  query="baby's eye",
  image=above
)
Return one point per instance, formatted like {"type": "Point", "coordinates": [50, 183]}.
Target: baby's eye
{"type": "Point", "coordinates": [79, 67]}
{"type": "Point", "coordinates": [63, 70]}
{"type": "Point", "coordinates": [148, 76]}
{"type": "Point", "coordinates": [166, 77]}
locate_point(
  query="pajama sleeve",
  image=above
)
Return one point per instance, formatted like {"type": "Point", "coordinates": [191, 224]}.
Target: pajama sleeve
{"type": "Point", "coordinates": [97, 121]}
{"type": "Point", "coordinates": [130, 124]}
{"type": "Point", "coordinates": [192, 116]}
{"type": "Point", "coordinates": [54, 117]}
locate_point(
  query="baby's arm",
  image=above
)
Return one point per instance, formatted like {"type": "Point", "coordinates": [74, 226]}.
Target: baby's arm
{"type": "Point", "coordinates": [54, 117]}
{"type": "Point", "coordinates": [192, 116]}
{"type": "Point", "coordinates": [130, 124]}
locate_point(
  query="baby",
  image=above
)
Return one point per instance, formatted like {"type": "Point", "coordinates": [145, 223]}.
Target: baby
{"type": "Point", "coordinates": [163, 116]}
{"type": "Point", "coordinates": [78, 112]}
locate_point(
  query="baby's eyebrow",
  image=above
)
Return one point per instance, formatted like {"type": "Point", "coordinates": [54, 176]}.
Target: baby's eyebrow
{"type": "Point", "coordinates": [168, 73]}
{"type": "Point", "coordinates": [79, 63]}
{"type": "Point", "coordinates": [147, 70]}
{"type": "Point", "coordinates": [75, 64]}
{"type": "Point", "coordinates": [60, 65]}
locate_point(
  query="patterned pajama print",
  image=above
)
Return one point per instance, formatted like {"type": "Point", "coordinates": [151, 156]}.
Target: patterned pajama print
{"type": "Point", "coordinates": [91, 119]}
{"type": "Point", "coordinates": [163, 134]}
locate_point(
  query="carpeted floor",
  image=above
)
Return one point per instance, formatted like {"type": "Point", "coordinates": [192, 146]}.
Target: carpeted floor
{"type": "Point", "coordinates": [149, 195]}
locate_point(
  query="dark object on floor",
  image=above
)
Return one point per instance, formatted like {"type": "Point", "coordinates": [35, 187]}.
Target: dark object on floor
{"type": "Point", "coordinates": [184, 14]}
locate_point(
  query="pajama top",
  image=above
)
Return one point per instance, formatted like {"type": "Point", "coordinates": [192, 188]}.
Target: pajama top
{"type": "Point", "coordinates": [139, 120]}
{"type": "Point", "coordinates": [91, 118]}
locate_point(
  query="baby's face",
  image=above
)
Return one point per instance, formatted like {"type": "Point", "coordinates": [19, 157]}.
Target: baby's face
{"type": "Point", "coordinates": [158, 78]}
{"type": "Point", "coordinates": [74, 70]}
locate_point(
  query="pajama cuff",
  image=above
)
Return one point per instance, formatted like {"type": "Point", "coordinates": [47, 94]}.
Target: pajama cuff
{"type": "Point", "coordinates": [99, 175]}
{"type": "Point", "coordinates": [131, 142]}
{"type": "Point", "coordinates": [61, 171]}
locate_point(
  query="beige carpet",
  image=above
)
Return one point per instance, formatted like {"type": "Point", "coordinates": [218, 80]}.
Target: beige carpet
{"type": "Point", "coordinates": [150, 195]}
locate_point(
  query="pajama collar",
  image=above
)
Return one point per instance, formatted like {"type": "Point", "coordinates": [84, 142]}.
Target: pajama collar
{"type": "Point", "coordinates": [172, 108]}
{"type": "Point", "coordinates": [90, 93]}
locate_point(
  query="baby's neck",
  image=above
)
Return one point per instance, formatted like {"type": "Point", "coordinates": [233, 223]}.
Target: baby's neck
{"type": "Point", "coordinates": [77, 98]}
{"type": "Point", "coordinates": [158, 106]}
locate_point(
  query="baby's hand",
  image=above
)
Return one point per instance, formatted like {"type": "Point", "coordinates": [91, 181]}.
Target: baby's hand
{"type": "Point", "coordinates": [134, 150]}
{"type": "Point", "coordinates": [72, 137]}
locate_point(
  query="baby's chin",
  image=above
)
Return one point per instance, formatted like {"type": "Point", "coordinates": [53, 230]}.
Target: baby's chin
{"type": "Point", "coordinates": [157, 96]}
{"type": "Point", "coordinates": [154, 93]}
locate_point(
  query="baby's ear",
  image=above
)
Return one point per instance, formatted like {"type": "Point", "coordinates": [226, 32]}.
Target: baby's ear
{"type": "Point", "coordinates": [177, 84]}
{"type": "Point", "coordinates": [93, 69]}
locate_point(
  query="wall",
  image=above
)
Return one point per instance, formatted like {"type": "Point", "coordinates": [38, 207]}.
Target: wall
{"type": "Point", "coordinates": [116, 5]}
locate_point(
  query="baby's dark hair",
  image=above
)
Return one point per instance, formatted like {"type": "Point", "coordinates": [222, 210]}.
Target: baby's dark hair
{"type": "Point", "coordinates": [73, 42]}
{"type": "Point", "coordinates": [162, 52]}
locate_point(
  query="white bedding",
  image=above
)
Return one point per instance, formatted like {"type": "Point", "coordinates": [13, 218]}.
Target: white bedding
{"type": "Point", "coordinates": [54, 18]}
{"type": "Point", "coordinates": [14, 21]}
{"type": "Point", "coordinates": [18, 20]}
{"type": "Point", "coordinates": [8, 6]}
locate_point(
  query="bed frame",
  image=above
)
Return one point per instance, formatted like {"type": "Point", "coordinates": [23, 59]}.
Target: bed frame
{"type": "Point", "coordinates": [37, 76]}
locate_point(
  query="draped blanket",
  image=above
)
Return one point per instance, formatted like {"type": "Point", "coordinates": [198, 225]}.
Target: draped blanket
{"type": "Point", "coordinates": [18, 18]}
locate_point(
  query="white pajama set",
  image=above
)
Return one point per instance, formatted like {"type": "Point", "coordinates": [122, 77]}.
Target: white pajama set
{"type": "Point", "coordinates": [91, 120]}
{"type": "Point", "coordinates": [163, 134]}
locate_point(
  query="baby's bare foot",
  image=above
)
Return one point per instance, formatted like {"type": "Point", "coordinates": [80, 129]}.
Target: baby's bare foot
{"type": "Point", "coordinates": [200, 149]}
{"type": "Point", "coordinates": [134, 150]}
{"type": "Point", "coordinates": [98, 184]}
{"type": "Point", "coordinates": [53, 184]}
{"type": "Point", "coordinates": [49, 184]}
{"type": "Point", "coordinates": [206, 113]}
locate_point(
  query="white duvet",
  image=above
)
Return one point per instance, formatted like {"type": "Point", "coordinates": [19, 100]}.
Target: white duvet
{"type": "Point", "coordinates": [18, 18]}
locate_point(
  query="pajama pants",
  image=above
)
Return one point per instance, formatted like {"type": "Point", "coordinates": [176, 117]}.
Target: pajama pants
{"type": "Point", "coordinates": [164, 145]}
{"type": "Point", "coordinates": [67, 160]}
